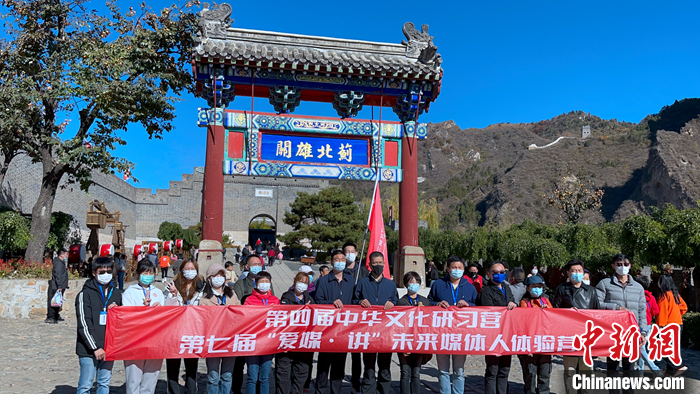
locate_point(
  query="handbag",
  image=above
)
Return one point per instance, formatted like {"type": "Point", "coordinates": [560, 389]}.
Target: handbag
{"type": "Point", "coordinates": [57, 299]}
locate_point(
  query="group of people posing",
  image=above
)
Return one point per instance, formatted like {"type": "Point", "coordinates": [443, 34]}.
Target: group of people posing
{"type": "Point", "coordinates": [349, 282]}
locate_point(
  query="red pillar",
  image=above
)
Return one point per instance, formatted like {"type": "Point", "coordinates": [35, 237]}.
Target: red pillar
{"type": "Point", "coordinates": [213, 190]}
{"type": "Point", "coordinates": [408, 194]}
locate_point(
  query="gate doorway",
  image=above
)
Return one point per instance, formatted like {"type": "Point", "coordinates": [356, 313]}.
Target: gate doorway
{"type": "Point", "coordinates": [264, 229]}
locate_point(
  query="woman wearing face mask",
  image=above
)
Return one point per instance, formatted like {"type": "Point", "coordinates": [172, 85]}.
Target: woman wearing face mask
{"type": "Point", "coordinates": [216, 293]}
{"type": "Point", "coordinates": [142, 375]}
{"type": "Point", "coordinates": [536, 367]}
{"type": "Point", "coordinates": [411, 362]}
{"type": "Point", "coordinates": [293, 368]}
{"type": "Point", "coordinates": [452, 290]}
{"type": "Point", "coordinates": [259, 366]}
{"type": "Point", "coordinates": [497, 293]}
{"type": "Point", "coordinates": [312, 286]}
{"type": "Point", "coordinates": [185, 290]}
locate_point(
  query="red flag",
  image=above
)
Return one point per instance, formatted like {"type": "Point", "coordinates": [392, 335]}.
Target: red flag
{"type": "Point", "coordinates": [377, 238]}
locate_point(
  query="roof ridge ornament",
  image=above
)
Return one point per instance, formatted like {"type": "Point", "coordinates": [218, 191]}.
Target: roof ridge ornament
{"type": "Point", "coordinates": [213, 22]}
{"type": "Point", "coordinates": [420, 45]}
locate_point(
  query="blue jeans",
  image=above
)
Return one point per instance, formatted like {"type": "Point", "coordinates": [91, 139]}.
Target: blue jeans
{"type": "Point", "coordinates": [89, 366]}
{"type": "Point", "coordinates": [644, 359]}
{"type": "Point", "coordinates": [120, 279]}
{"type": "Point", "coordinates": [259, 373]}
{"type": "Point", "coordinates": [443, 362]}
{"type": "Point", "coordinates": [219, 382]}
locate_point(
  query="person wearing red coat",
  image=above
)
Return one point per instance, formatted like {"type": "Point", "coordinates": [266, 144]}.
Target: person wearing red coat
{"type": "Point", "coordinates": [652, 311]}
{"type": "Point", "coordinates": [259, 366]}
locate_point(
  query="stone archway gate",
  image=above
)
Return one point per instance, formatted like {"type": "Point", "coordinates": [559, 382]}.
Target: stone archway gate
{"type": "Point", "coordinates": [291, 68]}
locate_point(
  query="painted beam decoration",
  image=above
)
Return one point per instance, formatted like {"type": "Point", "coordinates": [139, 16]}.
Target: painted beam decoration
{"type": "Point", "coordinates": [310, 147]}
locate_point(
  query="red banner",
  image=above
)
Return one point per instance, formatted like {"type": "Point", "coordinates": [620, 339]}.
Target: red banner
{"type": "Point", "coordinates": [135, 333]}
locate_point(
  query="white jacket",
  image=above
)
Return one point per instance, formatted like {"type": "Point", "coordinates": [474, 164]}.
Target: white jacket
{"type": "Point", "coordinates": [134, 295]}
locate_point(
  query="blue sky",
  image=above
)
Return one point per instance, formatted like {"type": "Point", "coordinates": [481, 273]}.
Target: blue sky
{"type": "Point", "coordinates": [504, 61]}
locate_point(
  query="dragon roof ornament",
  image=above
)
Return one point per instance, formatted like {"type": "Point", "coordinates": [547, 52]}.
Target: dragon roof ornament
{"type": "Point", "coordinates": [416, 56]}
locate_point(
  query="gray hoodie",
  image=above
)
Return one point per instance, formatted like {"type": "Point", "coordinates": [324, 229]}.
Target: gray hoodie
{"type": "Point", "coordinates": [612, 296]}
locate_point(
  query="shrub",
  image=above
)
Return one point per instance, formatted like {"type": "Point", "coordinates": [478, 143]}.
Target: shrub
{"type": "Point", "coordinates": [690, 337]}
{"type": "Point", "coordinates": [21, 269]}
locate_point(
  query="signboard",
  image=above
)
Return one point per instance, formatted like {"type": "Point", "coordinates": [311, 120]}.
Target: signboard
{"type": "Point", "coordinates": [263, 193]}
{"type": "Point", "coordinates": [316, 150]}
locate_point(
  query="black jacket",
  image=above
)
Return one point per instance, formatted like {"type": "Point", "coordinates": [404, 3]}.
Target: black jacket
{"type": "Point", "coordinates": [569, 296]}
{"type": "Point", "coordinates": [290, 298]}
{"type": "Point", "coordinates": [404, 301]}
{"type": "Point", "coordinates": [492, 295]}
{"type": "Point", "coordinates": [59, 275]}
{"type": "Point", "coordinates": [377, 293]}
{"type": "Point", "coordinates": [88, 305]}
{"type": "Point", "coordinates": [328, 289]}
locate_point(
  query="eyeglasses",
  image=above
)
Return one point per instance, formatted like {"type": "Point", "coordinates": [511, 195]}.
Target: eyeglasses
{"type": "Point", "coordinates": [102, 272]}
{"type": "Point", "coordinates": [623, 264]}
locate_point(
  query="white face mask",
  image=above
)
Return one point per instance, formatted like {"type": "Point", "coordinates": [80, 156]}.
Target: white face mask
{"type": "Point", "coordinates": [301, 287]}
{"type": "Point", "coordinates": [350, 257]}
{"type": "Point", "coordinates": [103, 279]}
{"type": "Point", "coordinates": [264, 287]}
{"type": "Point", "coordinates": [189, 274]}
{"type": "Point", "coordinates": [534, 271]}
{"type": "Point", "coordinates": [217, 281]}
{"type": "Point", "coordinates": [622, 270]}
{"type": "Point", "coordinates": [586, 282]}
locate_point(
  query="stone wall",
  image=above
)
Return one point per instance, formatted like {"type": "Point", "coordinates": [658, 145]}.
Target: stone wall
{"type": "Point", "coordinates": [24, 298]}
{"type": "Point", "coordinates": [143, 211]}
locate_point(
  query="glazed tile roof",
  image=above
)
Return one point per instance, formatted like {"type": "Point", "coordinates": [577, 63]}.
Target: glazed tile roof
{"type": "Point", "coordinates": [416, 58]}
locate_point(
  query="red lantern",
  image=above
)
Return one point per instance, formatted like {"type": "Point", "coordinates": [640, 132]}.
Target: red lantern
{"type": "Point", "coordinates": [153, 248]}
{"type": "Point", "coordinates": [137, 250]}
{"type": "Point", "coordinates": [178, 243]}
{"type": "Point", "coordinates": [76, 253]}
{"type": "Point", "coordinates": [168, 246]}
{"type": "Point", "coordinates": [106, 249]}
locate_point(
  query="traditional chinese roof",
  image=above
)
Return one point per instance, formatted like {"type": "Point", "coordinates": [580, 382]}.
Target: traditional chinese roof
{"type": "Point", "coordinates": [415, 58]}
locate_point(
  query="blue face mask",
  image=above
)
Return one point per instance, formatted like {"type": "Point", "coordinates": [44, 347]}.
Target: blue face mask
{"type": "Point", "coordinates": [311, 278]}
{"type": "Point", "coordinates": [146, 279]}
{"type": "Point", "coordinates": [413, 288]}
{"type": "Point", "coordinates": [577, 277]}
{"type": "Point", "coordinates": [255, 269]}
{"type": "Point", "coordinates": [339, 266]}
{"type": "Point", "coordinates": [499, 278]}
{"type": "Point", "coordinates": [456, 273]}
{"type": "Point", "coordinates": [536, 291]}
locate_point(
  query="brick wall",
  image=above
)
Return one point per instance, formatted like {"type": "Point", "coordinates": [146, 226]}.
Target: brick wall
{"type": "Point", "coordinates": [143, 211]}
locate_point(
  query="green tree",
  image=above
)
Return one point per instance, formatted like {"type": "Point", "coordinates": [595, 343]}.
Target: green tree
{"type": "Point", "coordinates": [260, 224]}
{"type": "Point", "coordinates": [324, 220]}
{"type": "Point", "coordinates": [573, 198]}
{"type": "Point", "coordinates": [65, 231]}
{"type": "Point", "coordinates": [61, 61]}
{"type": "Point", "coordinates": [14, 231]}
{"type": "Point", "coordinates": [192, 235]}
{"type": "Point", "coordinates": [168, 231]}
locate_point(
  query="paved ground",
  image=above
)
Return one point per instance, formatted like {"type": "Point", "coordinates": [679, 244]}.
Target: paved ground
{"type": "Point", "coordinates": [40, 358]}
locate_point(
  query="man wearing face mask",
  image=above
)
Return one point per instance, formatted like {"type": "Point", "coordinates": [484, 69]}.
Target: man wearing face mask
{"type": "Point", "coordinates": [452, 290]}
{"type": "Point", "coordinates": [245, 286]}
{"type": "Point", "coordinates": [335, 289]}
{"type": "Point", "coordinates": [58, 282]}
{"type": "Point", "coordinates": [575, 294]}
{"type": "Point", "coordinates": [357, 271]}
{"type": "Point", "coordinates": [376, 290]}
{"type": "Point", "coordinates": [97, 296]}
{"type": "Point", "coordinates": [621, 292]}
{"type": "Point", "coordinates": [497, 293]}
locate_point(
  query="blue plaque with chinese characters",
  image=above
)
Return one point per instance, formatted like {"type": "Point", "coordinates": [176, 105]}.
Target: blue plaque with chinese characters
{"type": "Point", "coordinates": [317, 150]}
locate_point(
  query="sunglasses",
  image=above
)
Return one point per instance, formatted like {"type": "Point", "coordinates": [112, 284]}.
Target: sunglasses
{"type": "Point", "coordinates": [498, 272]}
{"type": "Point", "coordinates": [102, 272]}
{"type": "Point", "coordinates": [623, 264]}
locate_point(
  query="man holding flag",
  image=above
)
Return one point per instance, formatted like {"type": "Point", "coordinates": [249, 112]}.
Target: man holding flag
{"type": "Point", "coordinates": [376, 289]}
